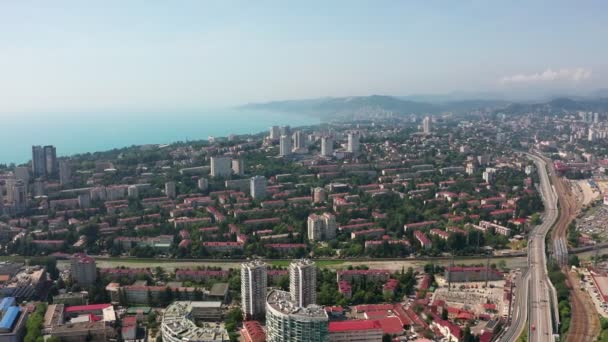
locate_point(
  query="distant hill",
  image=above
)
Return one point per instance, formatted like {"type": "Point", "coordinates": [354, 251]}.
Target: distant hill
{"type": "Point", "coordinates": [366, 106]}
{"type": "Point", "coordinates": [559, 105]}
{"type": "Point", "coordinates": [342, 106]}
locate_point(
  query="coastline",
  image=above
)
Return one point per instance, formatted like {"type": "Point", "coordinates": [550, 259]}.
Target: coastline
{"type": "Point", "coordinates": [107, 131]}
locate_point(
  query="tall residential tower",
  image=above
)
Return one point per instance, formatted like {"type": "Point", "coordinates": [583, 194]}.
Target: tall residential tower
{"type": "Point", "coordinates": [253, 289]}
{"type": "Point", "coordinates": [303, 282]}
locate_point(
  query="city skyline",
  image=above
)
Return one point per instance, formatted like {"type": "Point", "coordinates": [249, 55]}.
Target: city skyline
{"type": "Point", "coordinates": [74, 57]}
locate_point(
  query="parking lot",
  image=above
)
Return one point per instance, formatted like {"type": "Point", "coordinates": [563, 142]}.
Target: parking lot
{"type": "Point", "coordinates": [594, 222]}
{"type": "Point", "coordinates": [589, 287]}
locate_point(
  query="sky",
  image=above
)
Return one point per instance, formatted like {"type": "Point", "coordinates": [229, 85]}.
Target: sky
{"type": "Point", "coordinates": [124, 55]}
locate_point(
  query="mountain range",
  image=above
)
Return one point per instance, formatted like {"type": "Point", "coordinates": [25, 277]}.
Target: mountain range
{"type": "Point", "coordinates": [334, 107]}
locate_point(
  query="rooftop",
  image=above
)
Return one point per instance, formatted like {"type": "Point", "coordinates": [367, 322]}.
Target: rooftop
{"type": "Point", "coordinates": [281, 302]}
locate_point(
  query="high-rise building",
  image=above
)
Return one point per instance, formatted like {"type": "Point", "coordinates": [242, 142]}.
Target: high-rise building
{"type": "Point", "coordinates": [258, 187]}
{"type": "Point", "coordinates": [44, 161]}
{"type": "Point", "coordinates": [319, 195]}
{"type": "Point", "coordinates": [285, 146]}
{"type": "Point", "coordinates": [19, 196]}
{"type": "Point", "coordinates": [426, 125]}
{"type": "Point", "coordinates": [23, 173]}
{"type": "Point", "coordinates": [238, 166]}
{"type": "Point", "coordinates": [470, 169]}
{"type": "Point", "coordinates": [299, 141]}
{"type": "Point", "coordinates": [321, 227]}
{"type": "Point", "coordinates": [327, 146]}
{"type": "Point", "coordinates": [488, 175]}
{"type": "Point", "coordinates": [83, 269]}
{"type": "Point", "coordinates": [38, 188]}
{"type": "Point", "coordinates": [65, 172]}
{"type": "Point", "coordinates": [288, 322]}
{"type": "Point", "coordinates": [170, 189]}
{"type": "Point", "coordinates": [303, 282]}
{"type": "Point", "coordinates": [353, 143]}
{"type": "Point", "coordinates": [9, 183]}
{"type": "Point", "coordinates": [253, 289]}
{"type": "Point", "coordinates": [1, 201]}
{"type": "Point", "coordinates": [50, 157]}
{"type": "Point", "coordinates": [275, 133]}
{"type": "Point", "coordinates": [285, 130]}
{"type": "Point", "coordinates": [221, 167]}
{"type": "Point", "coordinates": [38, 161]}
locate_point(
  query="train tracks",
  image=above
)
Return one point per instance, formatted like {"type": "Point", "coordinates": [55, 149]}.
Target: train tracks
{"type": "Point", "coordinates": [584, 323]}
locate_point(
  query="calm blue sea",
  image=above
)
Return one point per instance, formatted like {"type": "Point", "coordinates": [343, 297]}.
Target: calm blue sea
{"type": "Point", "coordinates": [90, 132]}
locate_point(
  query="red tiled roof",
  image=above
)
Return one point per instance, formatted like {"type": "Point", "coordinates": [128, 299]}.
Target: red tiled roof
{"type": "Point", "coordinates": [92, 307]}
{"type": "Point", "coordinates": [391, 325]}
{"type": "Point", "coordinates": [354, 325]}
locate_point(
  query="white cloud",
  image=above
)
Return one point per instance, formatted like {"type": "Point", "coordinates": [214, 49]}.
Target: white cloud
{"type": "Point", "coordinates": [549, 75]}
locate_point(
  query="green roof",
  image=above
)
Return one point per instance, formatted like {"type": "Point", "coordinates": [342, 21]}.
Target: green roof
{"type": "Point", "coordinates": [132, 310]}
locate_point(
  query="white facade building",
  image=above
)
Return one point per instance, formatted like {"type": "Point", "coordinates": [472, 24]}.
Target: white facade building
{"type": "Point", "coordinates": [353, 142]}
{"type": "Point", "coordinates": [221, 166]}
{"type": "Point", "coordinates": [285, 146]}
{"type": "Point", "coordinates": [327, 146]}
{"type": "Point", "coordinates": [253, 289]}
{"type": "Point", "coordinates": [303, 282]}
{"type": "Point", "coordinates": [258, 187]}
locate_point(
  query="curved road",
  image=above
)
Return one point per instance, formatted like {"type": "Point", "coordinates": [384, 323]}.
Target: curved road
{"type": "Point", "coordinates": [534, 300]}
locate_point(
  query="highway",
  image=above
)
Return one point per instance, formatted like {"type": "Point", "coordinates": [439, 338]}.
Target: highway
{"type": "Point", "coordinates": [541, 290]}
{"type": "Point", "coordinates": [534, 296]}
{"type": "Point", "coordinates": [519, 309]}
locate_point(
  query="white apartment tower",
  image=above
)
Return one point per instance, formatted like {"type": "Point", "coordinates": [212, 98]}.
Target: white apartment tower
{"type": "Point", "coordinates": [253, 289]}
{"type": "Point", "coordinates": [299, 140]}
{"type": "Point", "coordinates": [285, 146]}
{"type": "Point", "coordinates": [353, 143]}
{"type": "Point", "coordinates": [221, 166]}
{"type": "Point", "coordinates": [275, 133]}
{"type": "Point", "coordinates": [426, 125]}
{"type": "Point", "coordinates": [327, 146]}
{"type": "Point", "coordinates": [321, 227]}
{"type": "Point", "coordinates": [470, 169]}
{"type": "Point", "coordinates": [83, 269]}
{"type": "Point", "coordinates": [319, 195]}
{"type": "Point", "coordinates": [18, 196]}
{"type": "Point", "coordinates": [488, 175]}
{"type": "Point", "coordinates": [303, 282]}
{"type": "Point", "coordinates": [285, 130]}
{"type": "Point", "coordinates": [170, 189]}
{"type": "Point", "coordinates": [65, 172]}
{"type": "Point", "coordinates": [238, 166]}
{"type": "Point", "coordinates": [258, 187]}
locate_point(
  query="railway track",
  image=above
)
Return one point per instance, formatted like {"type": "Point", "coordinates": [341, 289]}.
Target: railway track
{"type": "Point", "coordinates": [584, 323]}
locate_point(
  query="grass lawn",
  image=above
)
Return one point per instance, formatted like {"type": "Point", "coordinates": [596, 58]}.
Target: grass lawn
{"type": "Point", "coordinates": [320, 263]}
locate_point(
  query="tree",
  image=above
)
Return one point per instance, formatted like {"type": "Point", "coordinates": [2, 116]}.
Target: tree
{"type": "Point", "coordinates": [535, 219]}
{"type": "Point", "coordinates": [283, 282]}
{"type": "Point", "coordinates": [33, 325]}
{"type": "Point", "coordinates": [574, 261]}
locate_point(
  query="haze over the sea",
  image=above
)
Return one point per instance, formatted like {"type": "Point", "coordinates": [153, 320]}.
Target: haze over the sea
{"type": "Point", "coordinates": [91, 132]}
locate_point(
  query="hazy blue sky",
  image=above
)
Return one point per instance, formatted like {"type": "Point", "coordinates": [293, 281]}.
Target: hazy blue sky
{"type": "Point", "coordinates": [91, 55]}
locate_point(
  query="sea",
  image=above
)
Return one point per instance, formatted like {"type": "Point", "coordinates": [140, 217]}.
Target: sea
{"type": "Point", "coordinates": [75, 133]}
